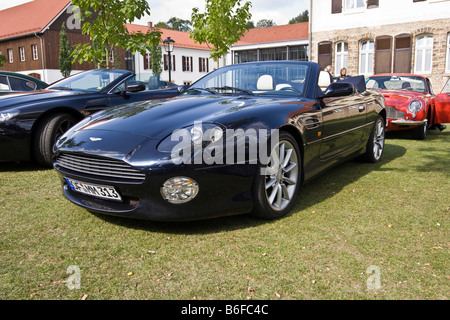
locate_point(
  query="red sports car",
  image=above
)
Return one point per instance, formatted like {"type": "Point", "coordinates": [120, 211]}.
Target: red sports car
{"type": "Point", "coordinates": [442, 105]}
{"type": "Point", "coordinates": [411, 103]}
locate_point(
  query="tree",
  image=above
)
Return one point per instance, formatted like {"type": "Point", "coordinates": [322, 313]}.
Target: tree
{"type": "Point", "coordinates": [222, 25]}
{"type": "Point", "coordinates": [2, 60]}
{"type": "Point", "coordinates": [264, 23]}
{"type": "Point", "coordinates": [105, 22]}
{"type": "Point", "coordinates": [65, 51]}
{"type": "Point", "coordinates": [302, 17]}
{"type": "Point", "coordinates": [175, 24]}
{"type": "Point", "coordinates": [156, 58]}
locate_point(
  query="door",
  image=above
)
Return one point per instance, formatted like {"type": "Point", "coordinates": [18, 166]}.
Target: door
{"type": "Point", "coordinates": [442, 105]}
{"type": "Point", "coordinates": [344, 121]}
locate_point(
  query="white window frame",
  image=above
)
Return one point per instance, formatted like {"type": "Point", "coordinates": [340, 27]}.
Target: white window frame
{"type": "Point", "coordinates": [354, 8]}
{"type": "Point", "coordinates": [365, 55]}
{"type": "Point", "coordinates": [340, 61]}
{"type": "Point", "coordinates": [34, 48]}
{"type": "Point", "coordinates": [423, 49]}
{"type": "Point", "coordinates": [22, 53]}
{"type": "Point", "coordinates": [447, 65]}
{"type": "Point", "coordinates": [10, 55]}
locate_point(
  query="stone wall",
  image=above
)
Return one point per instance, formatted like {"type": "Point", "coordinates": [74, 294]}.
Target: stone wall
{"type": "Point", "coordinates": [438, 28]}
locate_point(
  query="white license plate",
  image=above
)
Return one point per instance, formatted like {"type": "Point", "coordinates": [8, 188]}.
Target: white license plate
{"type": "Point", "coordinates": [104, 192]}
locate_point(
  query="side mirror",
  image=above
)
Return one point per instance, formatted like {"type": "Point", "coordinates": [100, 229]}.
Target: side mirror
{"type": "Point", "coordinates": [136, 87]}
{"type": "Point", "coordinates": [181, 89]}
{"type": "Point", "coordinates": [339, 89]}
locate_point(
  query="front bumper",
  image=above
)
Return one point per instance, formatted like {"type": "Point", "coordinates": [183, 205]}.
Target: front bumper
{"type": "Point", "coordinates": [223, 190]}
{"type": "Point", "coordinates": [403, 122]}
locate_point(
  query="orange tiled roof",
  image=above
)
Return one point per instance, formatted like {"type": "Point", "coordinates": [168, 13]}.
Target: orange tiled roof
{"type": "Point", "coordinates": [181, 38]}
{"type": "Point", "coordinates": [287, 32]}
{"type": "Point", "coordinates": [30, 17]}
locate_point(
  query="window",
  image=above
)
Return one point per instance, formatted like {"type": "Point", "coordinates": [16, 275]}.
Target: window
{"type": "Point", "coordinates": [21, 85]}
{"type": "Point", "coordinates": [10, 56]}
{"type": "Point", "coordinates": [22, 53]}
{"type": "Point", "coordinates": [299, 53]}
{"type": "Point", "coordinates": [336, 6]}
{"type": "Point", "coordinates": [166, 62]}
{"type": "Point", "coordinates": [203, 65]}
{"type": "Point", "coordinates": [34, 49]}
{"type": "Point", "coordinates": [324, 49]}
{"type": "Point", "coordinates": [447, 66]}
{"type": "Point", "coordinates": [341, 57]}
{"type": "Point", "coordinates": [245, 56]}
{"type": "Point", "coordinates": [402, 53]}
{"type": "Point", "coordinates": [383, 54]}
{"type": "Point", "coordinates": [147, 62]}
{"type": "Point", "coordinates": [424, 54]}
{"type": "Point", "coordinates": [366, 57]}
{"type": "Point", "coordinates": [187, 64]}
{"type": "Point", "coordinates": [4, 84]}
{"type": "Point", "coordinates": [372, 4]}
{"type": "Point", "coordinates": [354, 4]}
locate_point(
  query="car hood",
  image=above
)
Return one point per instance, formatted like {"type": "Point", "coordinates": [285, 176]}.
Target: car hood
{"type": "Point", "coordinates": [399, 96]}
{"type": "Point", "coordinates": [159, 118]}
{"type": "Point", "coordinates": [21, 99]}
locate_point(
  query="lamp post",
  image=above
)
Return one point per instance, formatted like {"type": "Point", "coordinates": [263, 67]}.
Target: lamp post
{"type": "Point", "coordinates": [168, 46]}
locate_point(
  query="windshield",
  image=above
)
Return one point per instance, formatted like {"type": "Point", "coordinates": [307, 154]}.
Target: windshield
{"type": "Point", "coordinates": [397, 82]}
{"type": "Point", "coordinates": [265, 78]}
{"type": "Point", "coordinates": [90, 81]}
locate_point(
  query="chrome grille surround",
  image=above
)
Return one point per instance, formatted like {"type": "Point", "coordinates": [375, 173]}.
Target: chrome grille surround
{"type": "Point", "coordinates": [91, 165]}
{"type": "Point", "coordinates": [392, 113]}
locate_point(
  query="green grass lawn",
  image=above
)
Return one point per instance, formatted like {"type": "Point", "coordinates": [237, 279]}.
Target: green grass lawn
{"type": "Point", "coordinates": [393, 215]}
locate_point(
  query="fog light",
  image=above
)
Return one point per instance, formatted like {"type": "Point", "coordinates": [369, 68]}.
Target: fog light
{"type": "Point", "coordinates": [179, 190]}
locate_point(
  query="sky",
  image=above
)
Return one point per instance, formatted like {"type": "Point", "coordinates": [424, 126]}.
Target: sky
{"type": "Point", "coordinates": [280, 11]}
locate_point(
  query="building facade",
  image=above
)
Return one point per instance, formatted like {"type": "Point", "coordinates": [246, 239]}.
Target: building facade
{"type": "Point", "coordinates": [287, 42]}
{"type": "Point", "coordinates": [29, 38]}
{"type": "Point", "coordinates": [383, 36]}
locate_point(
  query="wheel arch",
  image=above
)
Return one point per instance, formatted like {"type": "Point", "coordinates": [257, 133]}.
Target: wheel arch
{"type": "Point", "coordinates": [67, 110]}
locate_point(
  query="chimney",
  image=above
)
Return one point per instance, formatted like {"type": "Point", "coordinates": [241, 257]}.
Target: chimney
{"type": "Point", "coordinates": [150, 24]}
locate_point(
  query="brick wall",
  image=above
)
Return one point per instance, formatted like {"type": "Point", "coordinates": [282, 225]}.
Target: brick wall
{"type": "Point", "coordinates": [438, 28]}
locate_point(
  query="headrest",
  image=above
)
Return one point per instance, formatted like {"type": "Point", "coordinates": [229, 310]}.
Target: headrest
{"type": "Point", "coordinates": [265, 82]}
{"type": "Point", "coordinates": [324, 79]}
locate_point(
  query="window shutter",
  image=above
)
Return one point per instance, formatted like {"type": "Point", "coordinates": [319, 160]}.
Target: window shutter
{"type": "Point", "coordinates": [166, 64]}
{"type": "Point", "coordinates": [372, 4]}
{"type": "Point", "coordinates": [146, 62]}
{"type": "Point", "coordinates": [336, 6]}
{"type": "Point", "coordinates": [173, 63]}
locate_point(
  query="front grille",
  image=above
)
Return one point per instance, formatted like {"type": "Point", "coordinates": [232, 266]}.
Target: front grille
{"type": "Point", "coordinates": [393, 113]}
{"type": "Point", "coordinates": [90, 165]}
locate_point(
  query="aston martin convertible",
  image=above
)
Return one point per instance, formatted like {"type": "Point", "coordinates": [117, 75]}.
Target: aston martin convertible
{"type": "Point", "coordinates": [240, 140]}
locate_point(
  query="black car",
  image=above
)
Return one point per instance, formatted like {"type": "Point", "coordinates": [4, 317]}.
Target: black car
{"type": "Point", "coordinates": [11, 82]}
{"type": "Point", "coordinates": [30, 123]}
{"type": "Point", "coordinates": [241, 139]}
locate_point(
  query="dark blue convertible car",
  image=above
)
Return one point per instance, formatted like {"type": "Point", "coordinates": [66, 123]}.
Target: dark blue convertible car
{"type": "Point", "coordinates": [30, 123]}
{"type": "Point", "coordinates": [242, 139]}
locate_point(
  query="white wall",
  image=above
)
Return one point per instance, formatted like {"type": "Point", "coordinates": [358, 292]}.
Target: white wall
{"type": "Point", "coordinates": [388, 12]}
{"type": "Point", "coordinates": [179, 76]}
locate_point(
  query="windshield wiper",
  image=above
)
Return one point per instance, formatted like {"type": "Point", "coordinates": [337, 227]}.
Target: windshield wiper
{"type": "Point", "coordinates": [62, 88]}
{"type": "Point", "coordinates": [203, 89]}
{"type": "Point", "coordinates": [232, 88]}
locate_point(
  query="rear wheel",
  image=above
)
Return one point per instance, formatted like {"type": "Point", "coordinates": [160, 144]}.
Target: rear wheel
{"type": "Point", "coordinates": [47, 133]}
{"type": "Point", "coordinates": [277, 184]}
{"type": "Point", "coordinates": [375, 145]}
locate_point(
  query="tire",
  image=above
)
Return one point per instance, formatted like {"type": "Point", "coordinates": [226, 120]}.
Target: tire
{"type": "Point", "coordinates": [276, 184]}
{"type": "Point", "coordinates": [49, 130]}
{"type": "Point", "coordinates": [420, 133]}
{"type": "Point", "coordinates": [375, 144]}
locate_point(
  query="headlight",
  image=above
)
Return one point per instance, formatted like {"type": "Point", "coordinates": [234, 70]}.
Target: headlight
{"type": "Point", "coordinates": [179, 190]}
{"type": "Point", "coordinates": [415, 106]}
{"type": "Point", "coordinates": [8, 115]}
{"type": "Point", "coordinates": [199, 134]}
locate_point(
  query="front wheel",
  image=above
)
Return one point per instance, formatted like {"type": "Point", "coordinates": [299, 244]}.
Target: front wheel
{"type": "Point", "coordinates": [420, 133]}
{"type": "Point", "coordinates": [47, 133]}
{"type": "Point", "coordinates": [375, 145]}
{"type": "Point", "coordinates": [276, 185]}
